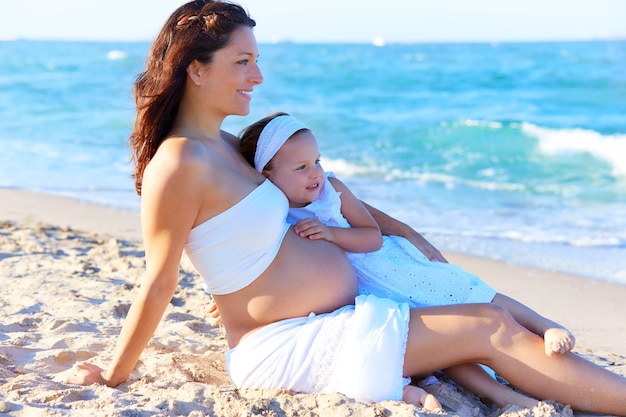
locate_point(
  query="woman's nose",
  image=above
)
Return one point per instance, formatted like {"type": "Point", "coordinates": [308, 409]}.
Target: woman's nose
{"type": "Point", "coordinates": [256, 77]}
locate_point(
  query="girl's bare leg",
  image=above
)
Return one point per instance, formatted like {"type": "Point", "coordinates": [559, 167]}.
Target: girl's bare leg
{"type": "Point", "coordinates": [557, 339]}
{"type": "Point", "coordinates": [475, 379]}
{"type": "Point", "coordinates": [444, 336]}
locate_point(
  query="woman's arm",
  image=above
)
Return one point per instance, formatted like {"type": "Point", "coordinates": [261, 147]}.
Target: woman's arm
{"type": "Point", "coordinates": [392, 227]}
{"type": "Point", "coordinates": [169, 206]}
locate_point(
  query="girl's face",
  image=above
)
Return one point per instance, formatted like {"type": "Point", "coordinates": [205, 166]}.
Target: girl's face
{"type": "Point", "coordinates": [296, 169]}
{"type": "Point", "coordinates": [228, 80]}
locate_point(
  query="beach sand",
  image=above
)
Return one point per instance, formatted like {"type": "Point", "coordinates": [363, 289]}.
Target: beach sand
{"type": "Point", "coordinates": [69, 271]}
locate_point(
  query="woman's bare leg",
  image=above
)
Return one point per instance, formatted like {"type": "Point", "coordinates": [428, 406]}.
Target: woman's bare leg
{"type": "Point", "coordinates": [475, 379]}
{"type": "Point", "coordinates": [557, 339]}
{"type": "Point", "coordinates": [445, 336]}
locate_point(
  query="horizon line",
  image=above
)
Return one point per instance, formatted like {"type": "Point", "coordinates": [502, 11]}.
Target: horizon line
{"type": "Point", "coordinates": [376, 41]}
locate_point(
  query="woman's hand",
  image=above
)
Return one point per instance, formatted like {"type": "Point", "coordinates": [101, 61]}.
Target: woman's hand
{"type": "Point", "coordinates": [84, 373]}
{"type": "Point", "coordinates": [214, 312]}
{"type": "Point", "coordinates": [431, 252]}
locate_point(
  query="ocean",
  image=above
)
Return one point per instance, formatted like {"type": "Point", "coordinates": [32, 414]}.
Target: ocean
{"type": "Point", "coordinates": [513, 151]}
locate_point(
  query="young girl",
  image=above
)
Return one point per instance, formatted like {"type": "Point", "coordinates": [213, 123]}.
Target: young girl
{"type": "Point", "coordinates": [322, 207]}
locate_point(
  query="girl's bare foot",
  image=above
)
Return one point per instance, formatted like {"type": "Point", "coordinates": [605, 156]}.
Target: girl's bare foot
{"type": "Point", "coordinates": [558, 340]}
{"type": "Point", "coordinates": [417, 396]}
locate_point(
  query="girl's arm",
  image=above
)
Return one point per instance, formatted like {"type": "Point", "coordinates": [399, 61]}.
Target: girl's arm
{"type": "Point", "coordinates": [363, 236]}
{"type": "Point", "coordinates": [392, 227]}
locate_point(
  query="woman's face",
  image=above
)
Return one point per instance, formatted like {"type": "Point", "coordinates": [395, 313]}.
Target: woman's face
{"type": "Point", "coordinates": [296, 169]}
{"type": "Point", "coordinates": [228, 80]}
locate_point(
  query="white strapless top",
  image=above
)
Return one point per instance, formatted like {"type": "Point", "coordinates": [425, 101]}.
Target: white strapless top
{"type": "Point", "coordinates": [232, 249]}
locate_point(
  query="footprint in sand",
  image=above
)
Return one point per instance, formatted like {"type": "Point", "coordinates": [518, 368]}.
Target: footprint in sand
{"type": "Point", "coordinates": [121, 310]}
{"type": "Point", "coordinates": [70, 356]}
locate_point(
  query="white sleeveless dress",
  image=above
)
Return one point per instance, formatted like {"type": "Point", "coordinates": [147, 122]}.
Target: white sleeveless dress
{"type": "Point", "coordinates": [398, 270]}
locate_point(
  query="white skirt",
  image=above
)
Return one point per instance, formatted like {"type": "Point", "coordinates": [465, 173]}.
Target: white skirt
{"type": "Point", "coordinates": [356, 350]}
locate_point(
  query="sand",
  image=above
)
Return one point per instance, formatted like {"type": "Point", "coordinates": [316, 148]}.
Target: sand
{"type": "Point", "coordinates": [69, 271]}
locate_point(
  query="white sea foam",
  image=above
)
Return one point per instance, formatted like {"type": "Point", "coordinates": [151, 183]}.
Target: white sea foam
{"type": "Point", "coordinates": [611, 148]}
{"type": "Point", "coordinates": [482, 123]}
{"type": "Point", "coordinates": [343, 168]}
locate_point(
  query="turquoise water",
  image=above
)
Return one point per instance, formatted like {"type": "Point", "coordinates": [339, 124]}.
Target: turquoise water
{"type": "Point", "coordinates": [512, 151]}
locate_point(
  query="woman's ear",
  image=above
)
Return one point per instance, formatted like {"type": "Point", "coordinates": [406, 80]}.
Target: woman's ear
{"type": "Point", "coordinates": [194, 71]}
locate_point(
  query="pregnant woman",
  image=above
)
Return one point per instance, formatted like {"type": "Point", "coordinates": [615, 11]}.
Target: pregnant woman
{"type": "Point", "coordinates": [289, 305]}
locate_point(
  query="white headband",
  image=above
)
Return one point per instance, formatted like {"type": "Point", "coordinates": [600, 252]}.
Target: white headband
{"type": "Point", "coordinates": [273, 137]}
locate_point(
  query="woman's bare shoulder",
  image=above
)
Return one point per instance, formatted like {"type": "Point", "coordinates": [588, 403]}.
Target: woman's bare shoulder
{"type": "Point", "coordinates": [180, 157]}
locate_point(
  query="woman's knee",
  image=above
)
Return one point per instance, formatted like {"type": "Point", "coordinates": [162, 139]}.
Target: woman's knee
{"type": "Point", "coordinates": [496, 312]}
{"type": "Point", "coordinates": [496, 317]}
{"type": "Point", "coordinates": [502, 326]}
{"type": "Point", "coordinates": [479, 328]}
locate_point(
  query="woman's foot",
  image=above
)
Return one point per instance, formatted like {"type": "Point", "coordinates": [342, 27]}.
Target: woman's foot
{"type": "Point", "coordinates": [558, 340]}
{"type": "Point", "coordinates": [417, 396]}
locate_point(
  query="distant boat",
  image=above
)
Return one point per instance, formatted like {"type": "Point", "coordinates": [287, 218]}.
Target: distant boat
{"type": "Point", "coordinates": [378, 41]}
{"type": "Point", "coordinates": [116, 54]}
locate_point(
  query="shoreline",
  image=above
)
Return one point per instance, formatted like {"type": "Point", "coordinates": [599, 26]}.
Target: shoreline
{"type": "Point", "coordinates": [71, 269]}
{"type": "Point", "coordinates": [32, 206]}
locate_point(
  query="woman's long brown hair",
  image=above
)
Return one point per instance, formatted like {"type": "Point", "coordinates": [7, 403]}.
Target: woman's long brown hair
{"type": "Point", "coordinates": [194, 31]}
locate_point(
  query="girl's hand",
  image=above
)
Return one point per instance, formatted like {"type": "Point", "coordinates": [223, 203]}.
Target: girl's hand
{"type": "Point", "coordinates": [313, 229]}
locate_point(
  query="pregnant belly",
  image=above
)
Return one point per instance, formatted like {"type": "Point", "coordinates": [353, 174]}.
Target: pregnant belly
{"type": "Point", "coordinates": [312, 276]}
{"type": "Point", "coordinates": [305, 277]}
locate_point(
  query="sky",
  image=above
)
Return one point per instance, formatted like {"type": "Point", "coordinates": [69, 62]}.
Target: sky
{"type": "Point", "coordinates": [331, 20]}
